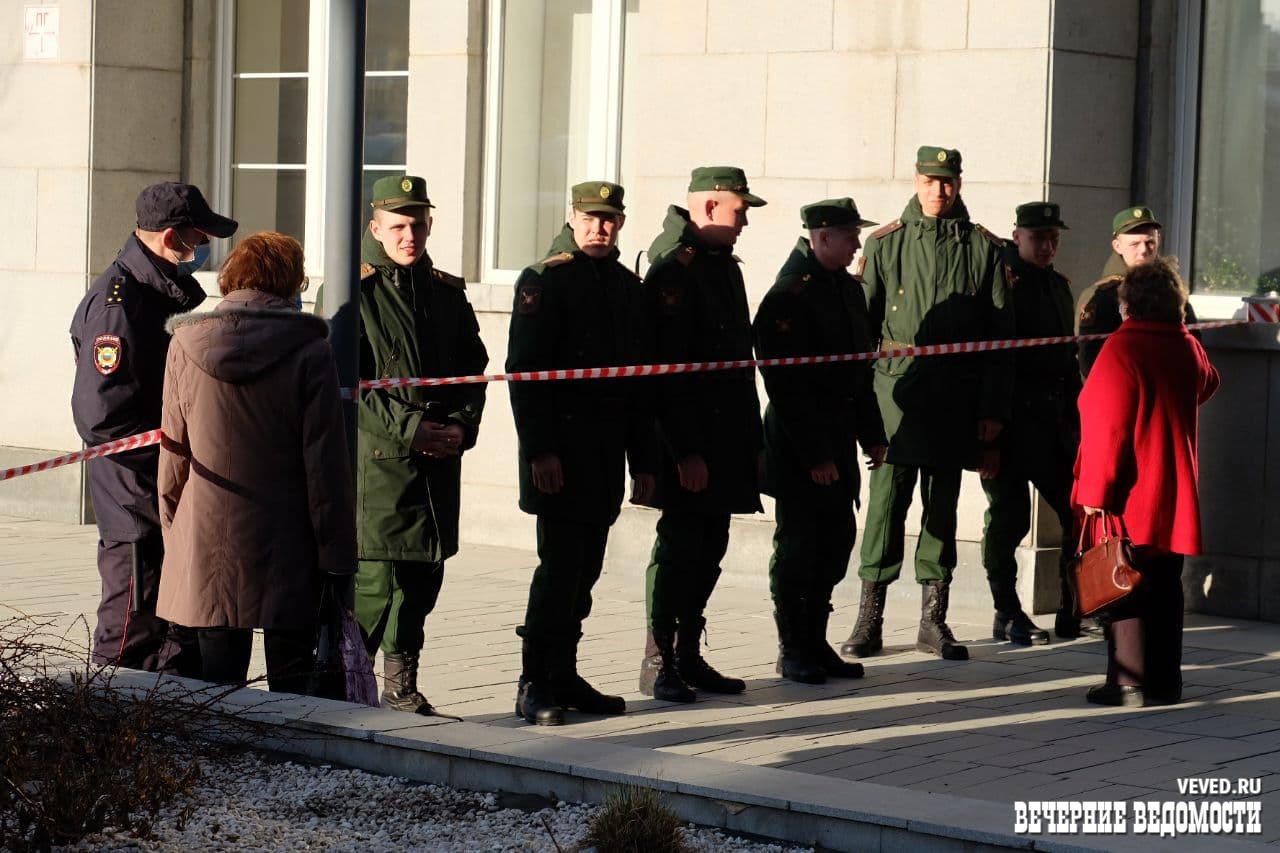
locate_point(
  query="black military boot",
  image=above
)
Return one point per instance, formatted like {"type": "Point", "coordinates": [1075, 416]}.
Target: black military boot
{"type": "Point", "coordinates": [695, 671]}
{"type": "Point", "coordinates": [534, 700]}
{"type": "Point", "coordinates": [865, 639]}
{"type": "Point", "coordinates": [400, 685]}
{"type": "Point", "coordinates": [659, 676]}
{"type": "Point", "coordinates": [795, 653]}
{"type": "Point", "coordinates": [935, 637]}
{"type": "Point", "coordinates": [571, 690]}
{"type": "Point", "coordinates": [826, 657]}
{"type": "Point", "coordinates": [1011, 622]}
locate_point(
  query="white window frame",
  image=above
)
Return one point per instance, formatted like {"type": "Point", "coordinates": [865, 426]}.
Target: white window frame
{"type": "Point", "coordinates": [224, 102]}
{"type": "Point", "coordinates": [604, 116]}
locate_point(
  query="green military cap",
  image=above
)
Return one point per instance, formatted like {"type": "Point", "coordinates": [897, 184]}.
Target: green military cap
{"type": "Point", "coordinates": [725, 178]}
{"type": "Point", "coordinates": [1131, 218]}
{"type": "Point", "coordinates": [597, 197]}
{"type": "Point", "coordinates": [943, 162]}
{"type": "Point", "coordinates": [1039, 214]}
{"type": "Point", "coordinates": [831, 213]}
{"type": "Point", "coordinates": [398, 191]}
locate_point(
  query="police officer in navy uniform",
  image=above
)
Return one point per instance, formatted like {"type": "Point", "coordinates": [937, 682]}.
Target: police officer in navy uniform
{"type": "Point", "coordinates": [120, 348]}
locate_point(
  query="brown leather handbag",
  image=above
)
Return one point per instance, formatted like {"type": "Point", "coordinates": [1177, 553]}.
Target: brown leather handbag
{"type": "Point", "coordinates": [1105, 573]}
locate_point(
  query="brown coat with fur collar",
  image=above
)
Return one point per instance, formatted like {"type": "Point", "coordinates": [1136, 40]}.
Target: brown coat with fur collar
{"type": "Point", "coordinates": [256, 496]}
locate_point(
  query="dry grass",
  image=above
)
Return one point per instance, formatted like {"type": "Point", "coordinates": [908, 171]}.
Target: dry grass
{"type": "Point", "coordinates": [635, 820]}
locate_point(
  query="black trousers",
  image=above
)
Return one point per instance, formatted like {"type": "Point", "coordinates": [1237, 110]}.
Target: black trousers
{"type": "Point", "coordinates": [1144, 632]}
{"type": "Point", "coordinates": [138, 639]}
{"type": "Point", "coordinates": [684, 567]}
{"type": "Point", "coordinates": [570, 559]}
{"type": "Point", "coordinates": [290, 652]}
{"type": "Point", "coordinates": [811, 549]}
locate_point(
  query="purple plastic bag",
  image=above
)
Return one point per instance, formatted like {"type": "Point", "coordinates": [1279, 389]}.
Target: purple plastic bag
{"type": "Point", "coordinates": [361, 687]}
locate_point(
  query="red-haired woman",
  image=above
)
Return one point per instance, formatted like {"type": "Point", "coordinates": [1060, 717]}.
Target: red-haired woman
{"type": "Point", "coordinates": [1139, 413]}
{"type": "Point", "coordinates": [256, 498]}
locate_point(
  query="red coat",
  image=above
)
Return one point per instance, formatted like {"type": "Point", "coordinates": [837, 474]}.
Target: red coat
{"type": "Point", "coordinates": [1138, 423]}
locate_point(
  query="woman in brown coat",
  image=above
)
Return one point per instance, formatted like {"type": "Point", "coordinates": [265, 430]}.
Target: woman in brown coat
{"type": "Point", "coordinates": [256, 499]}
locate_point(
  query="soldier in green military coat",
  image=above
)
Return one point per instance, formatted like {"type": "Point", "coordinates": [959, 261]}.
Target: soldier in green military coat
{"type": "Point", "coordinates": [1135, 239]}
{"type": "Point", "coordinates": [816, 417]}
{"type": "Point", "coordinates": [1039, 444]}
{"type": "Point", "coordinates": [416, 321]}
{"type": "Point", "coordinates": [578, 307]}
{"type": "Point", "coordinates": [709, 423]}
{"type": "Point", "coordinates": [933, 276]}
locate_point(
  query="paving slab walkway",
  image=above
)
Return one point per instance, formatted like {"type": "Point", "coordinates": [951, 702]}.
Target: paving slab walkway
{"type": "Point", "coordinates": [1009, 725]}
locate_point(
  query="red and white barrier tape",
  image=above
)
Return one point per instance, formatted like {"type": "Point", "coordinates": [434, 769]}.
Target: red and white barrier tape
{"type": "Point", "coordinates": [153, 436]}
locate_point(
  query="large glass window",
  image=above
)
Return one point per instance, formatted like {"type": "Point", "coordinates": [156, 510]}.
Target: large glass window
{"type": "Point", "coordinates": [1238, 162]}
{"type": "Point", "coordinates": [276, 104]}
{"type": "Point", "coordinates": [553, 118]}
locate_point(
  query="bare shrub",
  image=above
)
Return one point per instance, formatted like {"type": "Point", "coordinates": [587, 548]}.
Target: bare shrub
{"type": "Point", "coordinates": [635, 820]}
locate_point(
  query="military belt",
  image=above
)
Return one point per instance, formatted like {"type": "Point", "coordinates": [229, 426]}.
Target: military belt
{"type": "Point", "coordinates": [888, 344]}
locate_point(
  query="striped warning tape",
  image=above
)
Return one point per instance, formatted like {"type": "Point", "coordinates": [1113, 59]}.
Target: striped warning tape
{"type": "Point", "coordinates": [151, 437]}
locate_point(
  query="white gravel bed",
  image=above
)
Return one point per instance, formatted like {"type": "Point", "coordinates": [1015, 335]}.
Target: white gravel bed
{"type": "Point", "coordinates": [256, 803]}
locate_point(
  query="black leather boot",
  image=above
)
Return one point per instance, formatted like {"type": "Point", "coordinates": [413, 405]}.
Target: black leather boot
{"type": "Point", "coordinates": [795, 653]}
{"type": "Point", "coordinates": [534, 699]}
{"type": "Point", "coordinates": [934, 636]}
{"type": "Point", "coordinates": [1067, 625]}
{"type": "Point", "coordinates": [1011, 622]}
{"type": "Point", "coordinates": [695, 671]}
{"type": "Point", "coordinates": [659, 676]}
{"type": "Point", "coordinates": [571, 690]}
{"type": "Point", "coordinates": [865, 639]}
{"type": "Point", "coordinates": [400, 684]}
{"type": "Point", "coordinates": [826, 656]}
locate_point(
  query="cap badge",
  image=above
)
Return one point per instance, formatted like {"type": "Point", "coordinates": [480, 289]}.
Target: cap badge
{"type": "Point", "coordinates": [942, 156]}
{"type": "Point", "coordinates": [605, 192]}
{"type": "Point", "coordinates": [406, 185]}
{"type": "Point", "coordinates": [1137, 211]}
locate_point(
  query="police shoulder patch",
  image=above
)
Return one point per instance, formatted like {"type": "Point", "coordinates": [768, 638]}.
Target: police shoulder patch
{"type": "Point", "coordinates": [991, 238]}
{"type": "Point", "coordinates": [108, 353]}
{"type": "Point", "coordinates": [448, 279]}
{"type": "Point", "coordinates": [366, 270]}
{"type": "Point", "coordinates": [885, 230]}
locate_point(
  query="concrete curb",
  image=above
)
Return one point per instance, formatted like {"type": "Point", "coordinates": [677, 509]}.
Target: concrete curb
{"type": "Point", "coordinates": [785, 805]}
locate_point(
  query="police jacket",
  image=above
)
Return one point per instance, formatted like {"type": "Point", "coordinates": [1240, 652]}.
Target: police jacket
{"type": "Point", "coordinates": [930, 281]}
{"type": "Point", "coordinates": [699, 303]}
{"type": "Point", "coordinates": [120, 346]}
{"type": "Point", "coordinates": [816, 413]}
{"type": "Point", "coordinates": [575, 311]}
{"type": "Point", "coordinates": [416, 321]}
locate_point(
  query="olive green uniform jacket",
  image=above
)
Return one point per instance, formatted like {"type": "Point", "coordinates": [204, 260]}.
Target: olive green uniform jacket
{"type": "Point", "coordinates": [572, 311]}
{"type": "Point", "coordinates": [1045, 428]}
{"type": "Point", "coordinates": [931, 281]}
{"type": "Point", "coordinates": [699, 303]}
{"type": "Point", "coordinates": [1098, 311]}
{"type": "Point", "coordinates": [816, 413]}
{"type": "Point", "coordinates": [416, 321]}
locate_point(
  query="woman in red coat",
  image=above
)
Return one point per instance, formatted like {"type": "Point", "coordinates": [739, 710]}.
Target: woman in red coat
{"type": "Point", "coordinates": [1137, 458]}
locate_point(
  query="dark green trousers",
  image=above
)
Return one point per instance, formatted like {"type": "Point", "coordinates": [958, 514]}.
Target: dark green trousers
{"type": "Point", "coordinates": [393, 598]}
{"type": "Point", "coordinates": [1008, 516]}
{"type": "Point", "coordinates": [570, 558]}
{"type": "Point", "coordinates": [684, 566]}
{"type": "Point", "coordinates": [811, 548]}
{"type": "Point", "coordinates": [884, 539]}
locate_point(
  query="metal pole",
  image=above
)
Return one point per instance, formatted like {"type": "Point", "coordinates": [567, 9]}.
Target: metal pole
{"type": "Point", "coordinates": [343, 162]}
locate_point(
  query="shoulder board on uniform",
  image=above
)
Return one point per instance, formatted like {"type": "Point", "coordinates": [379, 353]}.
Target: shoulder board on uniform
{"type": "Point", "coordinates": [991, 238]}
{"type": "Point", "coordinates": [115, 296]}
{"type": "Point", "coordinates": [1010, 277]}
{"type": "Point", "coordinates": [1109, 282]}
{"type": "Point", "coordinates": [448, 279]}
{"type": "Point", "coordinates": [557, 259]}
{"type": "Point", "coordinates": [736, 258]}
{"type": "Point", "coordinates": [885, 230]}
{"type": "Point", "coordinates": [367, 270]}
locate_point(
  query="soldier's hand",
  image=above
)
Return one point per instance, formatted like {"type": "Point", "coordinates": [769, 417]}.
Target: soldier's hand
{"type": "Point", "coordinates": [989, 464]}
{"type": "Point", "coordinates": [989, 429]}
{"type": "Point", "coordinates": [693, 473]}
{"type": "Point", "coordinates": [643, 488]}
{"type": "Point", "coordinates": [824, 473]}
{"type": "Point", "coordinates": [437, 440]}
{"type": "Point", "coordinates": [875, 455]}
{"type": "Point", "coordinates": [548, 477]}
